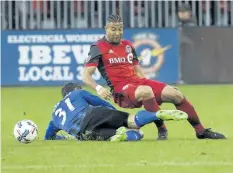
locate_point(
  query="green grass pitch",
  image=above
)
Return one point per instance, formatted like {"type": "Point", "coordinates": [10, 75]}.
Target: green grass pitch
{"type": "Point", "coordinates": [182, 152]}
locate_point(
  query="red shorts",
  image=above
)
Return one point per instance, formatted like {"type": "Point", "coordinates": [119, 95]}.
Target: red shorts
{"type": "Point", "coordinates": [124, 94]}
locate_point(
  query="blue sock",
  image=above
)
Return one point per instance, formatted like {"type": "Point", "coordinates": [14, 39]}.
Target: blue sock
{"type": "Point", "coordinates": [145, 117]}
{"type": "Point", "coordinates": [133, 135]}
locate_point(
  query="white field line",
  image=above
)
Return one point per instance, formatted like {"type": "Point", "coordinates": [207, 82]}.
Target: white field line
{"type": "Point", "coordinates": [142, 164]}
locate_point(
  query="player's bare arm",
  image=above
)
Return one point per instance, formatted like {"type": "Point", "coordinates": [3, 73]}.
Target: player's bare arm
{"type": "Point", "coordinates": [88, 80]}
{"type": "Point", "coordinates": [87, 77]}
{"type": "Point", "coordinates": [139, 71]}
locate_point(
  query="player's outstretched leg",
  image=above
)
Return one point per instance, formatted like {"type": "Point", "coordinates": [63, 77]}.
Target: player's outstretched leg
{"type": "Point", "coordinates": [134, 122]}
{"type": "Point", "coordinates": [144, 117]}
{"type": "Point", "coordinates": [173, 95]}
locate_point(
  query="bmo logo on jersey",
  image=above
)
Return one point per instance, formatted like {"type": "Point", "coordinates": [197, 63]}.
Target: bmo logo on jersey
{"type": "Point", "coordinates": [128, 59]}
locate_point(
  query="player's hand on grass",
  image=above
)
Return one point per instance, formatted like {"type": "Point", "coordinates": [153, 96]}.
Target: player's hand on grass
{"type": "Point", "coordinates": [103, 92]}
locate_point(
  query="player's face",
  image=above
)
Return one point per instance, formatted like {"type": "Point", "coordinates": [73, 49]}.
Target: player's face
{"type": "Point", "coordinates": [114, 32]}
{"type": "Point", "coordinates": [184, 15]}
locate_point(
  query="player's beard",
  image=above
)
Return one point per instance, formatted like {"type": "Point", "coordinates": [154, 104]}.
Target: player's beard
{"type": "Point", "coordinates": [116, 39]}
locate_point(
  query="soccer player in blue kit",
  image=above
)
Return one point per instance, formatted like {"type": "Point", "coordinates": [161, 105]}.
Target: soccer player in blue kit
{"type": "Point", "coordinates": [88, 117]}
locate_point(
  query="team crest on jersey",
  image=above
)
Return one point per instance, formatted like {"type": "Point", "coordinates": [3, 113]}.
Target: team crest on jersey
{"type": "Point", "coordinates": [128, 49]}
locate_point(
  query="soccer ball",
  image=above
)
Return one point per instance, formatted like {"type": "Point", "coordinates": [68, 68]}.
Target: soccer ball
{"type": "Point", "coordinates": [25, 131]}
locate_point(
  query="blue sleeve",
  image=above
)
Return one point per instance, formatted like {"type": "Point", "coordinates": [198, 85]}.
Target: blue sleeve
{"type": "Point", "coordinates": [95, 100]}
{"type": "Point", "coordinates": [51, 133]}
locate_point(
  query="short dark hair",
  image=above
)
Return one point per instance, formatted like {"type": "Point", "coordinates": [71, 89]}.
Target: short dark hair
{"type": "Point", "coordinates": [114, 18]}
{"type": "Point", "coordinates": [67, 88]}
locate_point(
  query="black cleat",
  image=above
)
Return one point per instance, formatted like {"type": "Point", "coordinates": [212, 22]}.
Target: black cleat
{"type": "Point", "coordinates": [162, 135]}
{"type": "Point", "coordinates": [209, 134]}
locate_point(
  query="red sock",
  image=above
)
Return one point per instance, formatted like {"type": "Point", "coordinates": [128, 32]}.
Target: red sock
{"type": "Point", "coordinates": [193, 118]}
{"type": "Point", "coordinates": [152, 106]}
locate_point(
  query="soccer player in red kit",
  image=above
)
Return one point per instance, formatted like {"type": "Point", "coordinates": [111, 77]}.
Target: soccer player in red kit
{"type": "Point", "coordinates": [118, 64]}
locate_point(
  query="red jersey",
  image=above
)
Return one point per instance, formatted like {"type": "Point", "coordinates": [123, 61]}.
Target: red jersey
{"type": "Point", "coordinates": [114, 62]}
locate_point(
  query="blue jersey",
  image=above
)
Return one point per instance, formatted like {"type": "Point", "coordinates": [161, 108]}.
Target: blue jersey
{"type": "Point", "coordinates": [70, 111]}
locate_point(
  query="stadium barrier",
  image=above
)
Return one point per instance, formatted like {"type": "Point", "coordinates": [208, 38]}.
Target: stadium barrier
{"type": "Point", "coordinates": [54, 57]}
{"type": "Point", "coordinates": [206, 55]}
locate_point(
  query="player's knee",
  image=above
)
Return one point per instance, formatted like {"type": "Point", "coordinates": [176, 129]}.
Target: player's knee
{"type": "Point", "coordinates": [172, 94]}
{"type": "Point", "coordinates": [144, 92]}
{"type": "Point", "coordinates": [177, 96]}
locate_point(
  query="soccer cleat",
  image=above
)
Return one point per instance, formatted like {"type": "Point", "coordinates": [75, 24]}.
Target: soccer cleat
{"type": "Point", "coordinates": [162, 135]}
{"type": "Point", "coordinates": [209, 134]}
{"type": "Point", "coordinates": [175, 115]}
{"type": "Point", "coordinates": [120, 135]}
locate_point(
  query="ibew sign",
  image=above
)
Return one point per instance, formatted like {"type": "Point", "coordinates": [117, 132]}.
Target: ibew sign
{"type": "Point", "coordinates": [42, 59]}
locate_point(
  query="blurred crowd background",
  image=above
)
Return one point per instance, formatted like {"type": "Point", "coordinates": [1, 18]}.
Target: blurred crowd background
{"type": "Point", "coordinates": [46, 14]}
